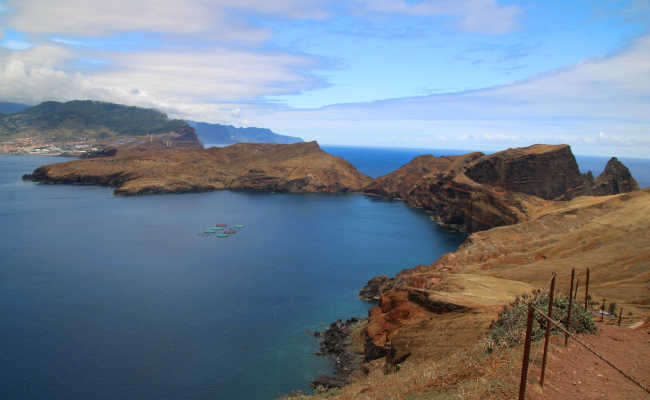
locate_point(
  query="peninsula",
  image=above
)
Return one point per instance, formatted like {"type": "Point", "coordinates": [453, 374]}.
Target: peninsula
{"type": "Point", "coordinates": [154, 168]}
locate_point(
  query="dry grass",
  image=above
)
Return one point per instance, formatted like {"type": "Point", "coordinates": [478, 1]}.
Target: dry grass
{"type": "Point", "coordinates": [469, 374]}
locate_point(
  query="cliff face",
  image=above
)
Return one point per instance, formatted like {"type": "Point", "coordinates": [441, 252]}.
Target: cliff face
{"type": "Point", "coordinates": [155, 168]}
{"type": "Point", "coordinates": [474, 191]}
{"type": "Point", "coordinates": [549, 172]}
{"type": "Point", "coordinates": [616, 178]}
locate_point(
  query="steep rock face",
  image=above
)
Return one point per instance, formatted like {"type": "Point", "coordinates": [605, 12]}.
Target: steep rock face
{"type": "Point", "coordinates": [474, 191]}
{"type": "Point", "coordinates": [549, 172]}
{"type": "Point", "coordinates": [300, 167]}
{"type": "Point", "coordinates": [616, 178]}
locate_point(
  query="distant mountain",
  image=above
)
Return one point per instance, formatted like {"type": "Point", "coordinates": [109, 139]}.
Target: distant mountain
{"type": "Point", "coordinates": [93, 119]}
{"type": "Point", "coordinates": [228, 134]}
{"type": "Point", "coordinates": [10, 108]}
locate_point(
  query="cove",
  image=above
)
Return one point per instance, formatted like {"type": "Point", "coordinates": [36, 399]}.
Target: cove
{"type": "Point", "coordinates": [107, 297]}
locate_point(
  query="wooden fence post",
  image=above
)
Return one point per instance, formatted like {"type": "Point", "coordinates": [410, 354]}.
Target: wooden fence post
{"type": "Point", "coordinates": [548, 330]}
{"type": "Point", "coordinates": [620, 315]}
{"type": "Point", "coordinates": [568, 315]}
{"type": "Point", "coordinates": [587, 290]}
{"type": "Point", "coordinates": [524, 365]}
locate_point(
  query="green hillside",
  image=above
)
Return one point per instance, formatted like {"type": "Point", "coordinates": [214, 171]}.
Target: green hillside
{"type": "Point", "coordinates": [60, 121]}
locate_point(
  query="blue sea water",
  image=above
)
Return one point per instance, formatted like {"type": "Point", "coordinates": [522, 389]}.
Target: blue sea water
{"type": "Point", "coordinates": [106, 297]}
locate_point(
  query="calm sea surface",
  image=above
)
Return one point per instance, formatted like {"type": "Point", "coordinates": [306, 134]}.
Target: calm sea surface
{"type": "Point", "coordinates": [103, 297]}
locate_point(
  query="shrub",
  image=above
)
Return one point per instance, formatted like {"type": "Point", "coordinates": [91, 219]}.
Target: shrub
{"type": "Point", "coordinates": [510, 327]}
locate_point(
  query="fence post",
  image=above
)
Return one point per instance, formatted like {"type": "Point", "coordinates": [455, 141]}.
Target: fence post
{"type": "Point", "coordinates": [587, 290]}
{"type": "Point", "coordinates": [524, 365]}
{"type": "Point", "coordinates": [548, 330]}
{"type": "Point", "coordinates": [620, 315]}
{"type": "Point", "coordinates": [568, 315]}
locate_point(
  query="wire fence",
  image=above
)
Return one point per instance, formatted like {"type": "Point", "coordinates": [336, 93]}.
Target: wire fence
{"type": "Point", "coordinates": [529, 327]}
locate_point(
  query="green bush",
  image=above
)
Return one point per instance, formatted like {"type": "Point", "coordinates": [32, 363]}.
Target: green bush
{"type": "Point", "coordinates": [510, 327]}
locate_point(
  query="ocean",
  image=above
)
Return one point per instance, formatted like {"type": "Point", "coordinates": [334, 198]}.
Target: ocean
{"type": "Point", "coordinates": [107, 297]}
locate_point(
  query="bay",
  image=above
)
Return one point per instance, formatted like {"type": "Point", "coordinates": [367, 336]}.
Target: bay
{"type": "Point", "coordinates": [108, 297]}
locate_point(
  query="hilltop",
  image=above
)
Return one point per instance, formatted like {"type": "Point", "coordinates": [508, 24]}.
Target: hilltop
{"type": "Point", "coordinates": [10, 108]}
{"type": "Point", "coordinates": [58, 121]}
{"type": "Point", "coordinates": [474, 191]}
{"type": "Point", "coordinates": [153, 168]}
{"type": "Point", "coordinates": [227, 134]}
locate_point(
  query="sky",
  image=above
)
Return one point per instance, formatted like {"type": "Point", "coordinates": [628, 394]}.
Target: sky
{"type": "Point", "coordinates": [457, 74]}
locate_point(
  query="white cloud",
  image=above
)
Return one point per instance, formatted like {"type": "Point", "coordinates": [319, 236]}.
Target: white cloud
{"type": "Point", "coordinates": [484, 16]}
{"type": "Point", "coordinates": [215, 18]}
{"type": "Point", "coordinates": [190, 83]}
{"type": "Point", "coordinates": [90, 18]}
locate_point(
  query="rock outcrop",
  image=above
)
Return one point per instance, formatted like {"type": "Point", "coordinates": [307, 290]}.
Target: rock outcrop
{"type": "Point", "coordinates": [475, 191]}
{"type": "Point", "coordinates": [549, 172]}
{"type": "Point", "coordinates": [157, 168]}
{"type": "Point", "coordinates": [616, 178]}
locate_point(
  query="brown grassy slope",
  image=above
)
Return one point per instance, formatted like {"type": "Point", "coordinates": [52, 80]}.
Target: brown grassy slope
{"type": "Point", "coordinates": [607, 234]}
{"type": "Point", "coordinates": [300, 167]}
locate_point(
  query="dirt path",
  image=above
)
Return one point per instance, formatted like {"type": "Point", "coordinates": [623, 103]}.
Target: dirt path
{"type": "Point", "coordinates": [575, 373]}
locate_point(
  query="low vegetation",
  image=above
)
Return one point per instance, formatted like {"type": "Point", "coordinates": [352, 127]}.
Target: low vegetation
{"type": "Point", "coordinates": [510, 328]}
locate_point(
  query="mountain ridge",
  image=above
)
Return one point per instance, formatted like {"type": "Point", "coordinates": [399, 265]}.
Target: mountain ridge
{"type": "Point", "coordinates": [227, 134]}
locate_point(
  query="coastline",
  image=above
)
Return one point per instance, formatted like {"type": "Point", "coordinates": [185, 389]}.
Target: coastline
{"type": "Point", "coordinates": [435, 293]}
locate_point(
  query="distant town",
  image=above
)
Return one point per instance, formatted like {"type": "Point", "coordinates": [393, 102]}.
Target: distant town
{"type": "Point", "coordinates": [39, 146]}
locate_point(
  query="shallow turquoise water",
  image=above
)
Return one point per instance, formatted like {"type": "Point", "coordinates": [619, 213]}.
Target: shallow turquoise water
{"type": "Point", "coordinates": [105, 297]}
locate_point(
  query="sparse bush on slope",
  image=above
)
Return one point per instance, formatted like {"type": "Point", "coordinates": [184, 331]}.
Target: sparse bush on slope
{"type": "Point", "coordinates": [510, 327]}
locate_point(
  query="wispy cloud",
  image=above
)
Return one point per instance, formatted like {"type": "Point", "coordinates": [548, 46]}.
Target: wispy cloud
{"type": "Point", "coordinates": [172, 79]}
{"type": "Point", "coordinates": [15, 44]}
{"type": "Point", "coordinates": [484, 16]}
{"type": "Point", "coordinates": [610, 94]}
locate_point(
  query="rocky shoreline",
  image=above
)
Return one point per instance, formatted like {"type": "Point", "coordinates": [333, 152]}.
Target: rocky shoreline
{"type": "Point", "coordinates": [338, 344]}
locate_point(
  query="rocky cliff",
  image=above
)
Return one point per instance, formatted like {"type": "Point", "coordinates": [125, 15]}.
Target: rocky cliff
{"type": "Point", "coordinates": [475, 191]}
{"type": "Point", "coordinates": [156, 168]}
{"type": "Point", "coordinates": [616, 178]}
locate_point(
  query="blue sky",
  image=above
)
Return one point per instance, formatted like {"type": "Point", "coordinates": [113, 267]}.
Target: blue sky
{"type": "Point", "coordinates": [472, 74]}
